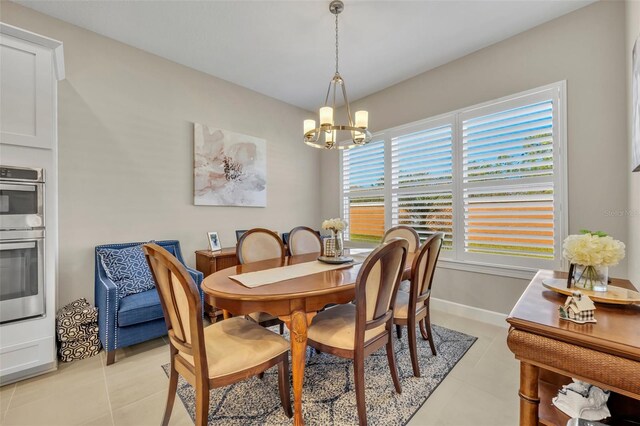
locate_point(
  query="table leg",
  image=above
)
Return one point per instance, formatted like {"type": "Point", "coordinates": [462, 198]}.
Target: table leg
{"type": "Point", "coordinates": [297, 324]}
{"type": "Point", "coordinates": [529, 400]}
{"type": "Point", "coordinates": [225, 314]}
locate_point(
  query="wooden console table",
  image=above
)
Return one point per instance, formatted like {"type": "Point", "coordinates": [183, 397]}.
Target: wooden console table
{"type": "Point", "coordinates": [552, 351]}
{"type": "Point", "coordinates": [208, 262]}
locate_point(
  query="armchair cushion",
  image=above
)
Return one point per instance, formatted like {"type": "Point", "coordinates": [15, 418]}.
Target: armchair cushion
{"type": "Point", "coordinates": [140, 307]}
{"type": "Point", "coordinates": [127, 268]}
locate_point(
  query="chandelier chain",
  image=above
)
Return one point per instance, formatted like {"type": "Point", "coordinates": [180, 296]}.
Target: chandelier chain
{"type": "Point", "coordinates": [336, 43]}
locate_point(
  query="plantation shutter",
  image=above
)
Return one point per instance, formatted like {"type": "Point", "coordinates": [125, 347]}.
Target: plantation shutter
{"type": "Point", "coordinates": [508, 152]}
{"type": "Point", "coordinates": [363, 192]}
{"type": "Point", "coordinates": [422, 179]}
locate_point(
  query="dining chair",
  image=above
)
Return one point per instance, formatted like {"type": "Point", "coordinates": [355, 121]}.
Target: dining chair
{"type": "Point", "coordinates": [219, 355]}
{"type": "Point", "coordinates": [412, 236]}
{"type": "Point", "coordinates": [355, 331]}
{"type": "Point", "coordinates": [406, 232]}
{"type": "Point", "coordinates": [255, 245]}
{"type": "Point", "coordinates": [412, 308]}
{"type": "Point", "coordinates": [303, 240]}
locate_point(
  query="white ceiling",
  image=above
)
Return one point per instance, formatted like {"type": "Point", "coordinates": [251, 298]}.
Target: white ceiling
{"type": "Point", "coordinates": [285, 49]}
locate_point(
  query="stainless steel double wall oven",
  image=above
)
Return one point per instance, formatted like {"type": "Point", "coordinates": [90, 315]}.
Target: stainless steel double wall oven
{"type": "Point", "coordinates": [22, 237]}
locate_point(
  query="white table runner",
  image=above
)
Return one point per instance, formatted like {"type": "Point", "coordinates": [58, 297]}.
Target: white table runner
{"type": "Point", "coordinates": [274, 275]}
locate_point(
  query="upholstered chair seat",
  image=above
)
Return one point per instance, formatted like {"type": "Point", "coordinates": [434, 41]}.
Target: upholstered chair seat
{"type": "Point", "coordinates": [336, 327]}
{"type": "Point", "coordinates": [248, 343]}
{"type": "Point", "coordinates": [401, 307]}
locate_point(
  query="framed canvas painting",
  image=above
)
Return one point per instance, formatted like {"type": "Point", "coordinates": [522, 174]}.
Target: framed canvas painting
{"type": "Point", "coordinates": [635, 95]}
{"type": "Point", "coordinates": [230, 169]}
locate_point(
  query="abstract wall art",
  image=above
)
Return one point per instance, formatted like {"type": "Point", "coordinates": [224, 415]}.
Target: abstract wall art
{"type": "Point", "coordinates": [230, 169]}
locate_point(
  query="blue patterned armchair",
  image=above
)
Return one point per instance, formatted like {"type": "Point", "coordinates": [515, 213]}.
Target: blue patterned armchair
{"type": "Point", "coordinates": [135, 318]}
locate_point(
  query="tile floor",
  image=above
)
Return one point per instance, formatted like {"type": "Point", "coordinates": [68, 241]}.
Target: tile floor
{"type": "Point", "coordinates": [480, 390]}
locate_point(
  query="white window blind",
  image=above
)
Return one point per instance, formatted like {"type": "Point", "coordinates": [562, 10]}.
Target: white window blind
{"type": "Point", "coordinates": [363, 178]}
{"type": "Point", "coordinates": [422, 179]}
{"type": "Point", "coordinates": [491, 177]}
{"type": "Point", "coordinates": [507, 181]}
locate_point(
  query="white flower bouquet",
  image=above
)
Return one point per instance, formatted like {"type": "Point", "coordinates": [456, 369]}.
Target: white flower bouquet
{"type": "Point", "coordinates": [334, 246]}
{"type": "Point", "coordinates": [592, 253]}
{"type": "Point", "coordinates": [336, 224]}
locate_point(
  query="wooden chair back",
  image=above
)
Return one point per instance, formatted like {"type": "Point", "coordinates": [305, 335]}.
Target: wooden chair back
{"type": "Point", "coordinates": [304, 240]}
{"type": "Point", "coordinates": [377, 284]}
{"type": "Point", "coordinates": [181, 304]}
{"type": "Point", "coordinates": [406, 232]}
{"type": "Point", "coordinates": [259, 244]}
{"type": "Point", "coordinates": [424, 265]}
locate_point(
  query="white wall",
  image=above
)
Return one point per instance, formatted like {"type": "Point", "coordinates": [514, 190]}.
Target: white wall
{"type": "Point", "coordinates": [633, 246]}
{"type": "Point", "coordinates": [126, 151]}
{"type": "Point", "coordinates": [586, 48]}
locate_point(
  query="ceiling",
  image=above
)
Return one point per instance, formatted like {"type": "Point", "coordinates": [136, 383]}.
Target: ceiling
{"type": "Point", "coordinates": [285, 49]}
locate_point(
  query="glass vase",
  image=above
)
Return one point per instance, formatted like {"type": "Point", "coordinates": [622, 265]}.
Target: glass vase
{"type": "Point", "coordinates": [338, 243]}
{"type": "Point", "coordinates": [590, 277]}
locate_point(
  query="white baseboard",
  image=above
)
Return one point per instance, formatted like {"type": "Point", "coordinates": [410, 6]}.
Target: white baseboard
{"type": "Point", "coordinates": [470, 312]}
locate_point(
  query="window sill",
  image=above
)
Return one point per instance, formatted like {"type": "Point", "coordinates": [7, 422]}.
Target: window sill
{"type": "Point", "coordinates": [520, 272]}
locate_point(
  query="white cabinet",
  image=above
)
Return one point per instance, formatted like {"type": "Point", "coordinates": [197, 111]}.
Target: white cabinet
{"type": "Point", "coordinates": [29, 65]}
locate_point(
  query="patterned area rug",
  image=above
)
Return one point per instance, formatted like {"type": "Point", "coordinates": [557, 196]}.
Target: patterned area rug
{"type": "Point", "coordinates": [329, 394]}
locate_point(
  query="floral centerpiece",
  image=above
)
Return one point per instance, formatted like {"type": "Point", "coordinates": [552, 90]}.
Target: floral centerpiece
{"type": "Point", "coordinates": [335, 245]}
{"type": "Point", "coordinates": [592, 252]}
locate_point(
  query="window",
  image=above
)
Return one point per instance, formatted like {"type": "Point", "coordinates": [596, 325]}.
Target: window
{"type": "Point", "coordinates": [490, 177]}
{"type": "Point", "coordinates": [363, 192]}
{"type": "Point", "coordinates": [422, 179]}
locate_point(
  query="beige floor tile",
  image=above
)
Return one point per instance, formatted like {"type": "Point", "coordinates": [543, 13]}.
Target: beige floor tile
{"type": "Point", "coordinates": [472, 406]}
{"type": "Point", "coordinates": [131, 382]}
{"type": "Point", "coordinates": [6, 392]}
{"type": "Point", "coordinates": [105, 420]}
{"type": "Point", "coordinates": [471, 358]}
{"type": "Point", "coordinates": [431, 411]}
{"type": "Point", "coordinates": [475, 328]}
{"type": "Point", "coordinates": [83, 374]}
{"type": "Point", "coordinates": [59, 402]}
{"type": "Point", "coordinates": [149, 411]}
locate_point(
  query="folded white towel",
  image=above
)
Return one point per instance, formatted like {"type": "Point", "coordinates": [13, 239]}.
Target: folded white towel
{"type": "Point", "coordinates": [580, 399]}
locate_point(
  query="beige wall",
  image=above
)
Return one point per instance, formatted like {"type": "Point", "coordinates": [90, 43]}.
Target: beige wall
{"type": "Point", "coordinates": [586, 48]}
{"type": "Point", "coordinates": [126, 151]}
{"type": "Point", "coordinates": [633, 247]}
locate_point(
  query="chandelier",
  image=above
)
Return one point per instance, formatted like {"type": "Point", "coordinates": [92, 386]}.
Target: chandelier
{"type": "Point", "coordinates": [329, 135]}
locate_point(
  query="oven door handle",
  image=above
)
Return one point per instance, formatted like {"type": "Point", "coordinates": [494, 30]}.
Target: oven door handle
{"type": "Point", "coordinates": [23, 188]}
{"type": "Point", "coordinates": [17, 246]}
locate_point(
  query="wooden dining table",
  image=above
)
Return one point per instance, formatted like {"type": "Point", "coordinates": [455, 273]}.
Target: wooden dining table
{"type": "Point", "coordinates": [295, 301]}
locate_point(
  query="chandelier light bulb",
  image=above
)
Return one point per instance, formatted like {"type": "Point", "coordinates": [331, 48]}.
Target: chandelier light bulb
{"type": "Point", "coordinates": [309, 125]}
{"type": "Point", "coordinates": [326, 116]}
{"type": "Point", "coordinates": [362, 119]}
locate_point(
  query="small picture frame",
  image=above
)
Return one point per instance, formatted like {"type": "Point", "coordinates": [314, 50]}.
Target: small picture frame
{"type": "Point", "coordinates": [214, 241]}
